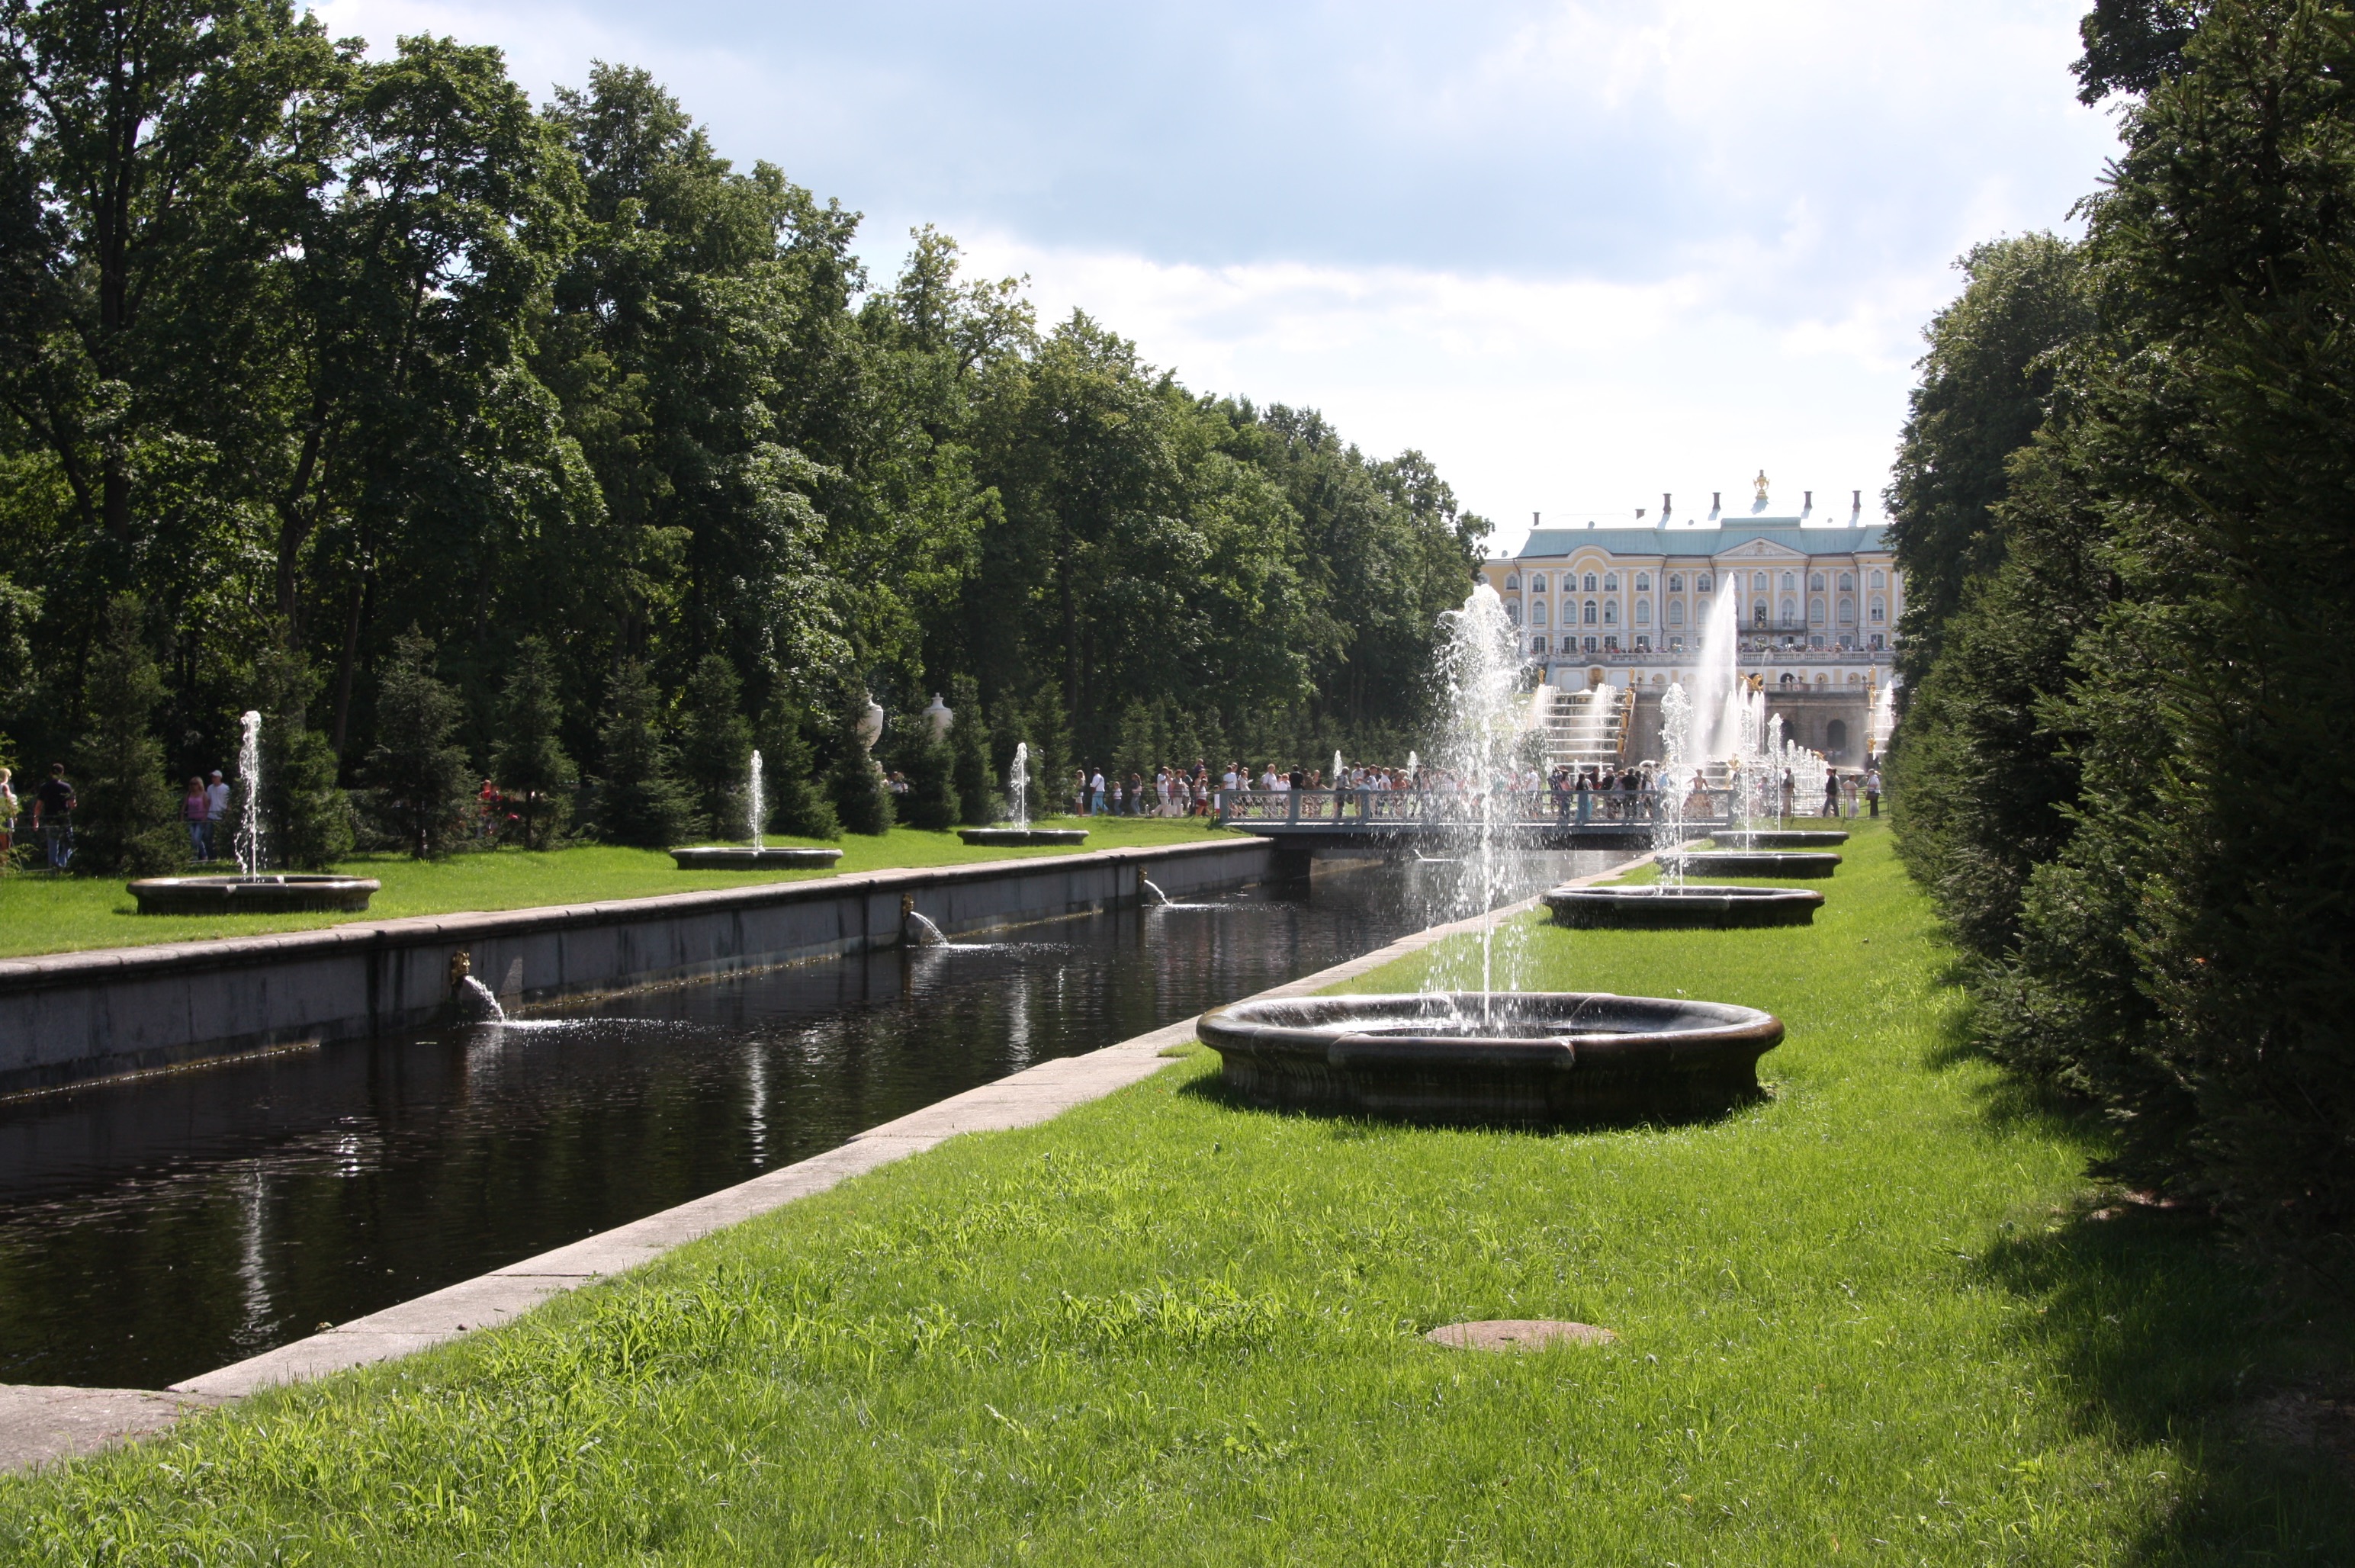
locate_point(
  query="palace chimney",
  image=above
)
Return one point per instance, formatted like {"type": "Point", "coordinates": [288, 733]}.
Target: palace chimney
{"type": "Point", "coordinates": [1666, 511]}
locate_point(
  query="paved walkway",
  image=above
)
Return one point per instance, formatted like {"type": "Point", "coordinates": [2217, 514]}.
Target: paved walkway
{"type": "Point", "coordinates": [38, 1425]}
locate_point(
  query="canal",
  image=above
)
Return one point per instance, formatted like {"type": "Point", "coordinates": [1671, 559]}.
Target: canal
{"type": "Point", "coordinates": [157, 1228]}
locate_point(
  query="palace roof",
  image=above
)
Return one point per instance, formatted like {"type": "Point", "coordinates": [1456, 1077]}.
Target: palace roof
{"type": "Point", "coordinates": [1704, 541]}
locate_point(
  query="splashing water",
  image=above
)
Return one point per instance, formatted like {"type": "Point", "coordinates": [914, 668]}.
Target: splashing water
{"type": "Point", "coordinates": [1481, 716]}
{"type": "Point", "coordinates": [1018, 783]}
{"type": "Point", "coordinates": [248, 788]}
{"type": "Point", "coordinates": [753, 806]}
{"type": "Point", "coordinates": [1677, 773]}
{"type": "Point", "coordinates": [1335, 779]}
{"type": "Point", "coordinates": [922, 933]}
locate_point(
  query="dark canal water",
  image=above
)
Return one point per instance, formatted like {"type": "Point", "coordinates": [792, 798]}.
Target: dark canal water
{"type": "Point", "coordinates": [156, 1229]}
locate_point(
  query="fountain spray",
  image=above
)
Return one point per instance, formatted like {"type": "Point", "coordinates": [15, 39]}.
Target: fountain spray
{"type": "Point", "coordinates": [1017, 785]}
{"type": "Point", "coordinates": [755, 803]}
{"type": "Point", "coordinates": [1675, 775]}
{"type": "Point", "coordinates": [1478, 666]}
{"type": "Point", "coordinates": [248, 785]}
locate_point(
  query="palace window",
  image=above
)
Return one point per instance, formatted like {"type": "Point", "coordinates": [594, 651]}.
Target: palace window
{"type": "Point", "coordinates": [1814, 612]}
{"type": "Point", "coordinates": [1643, 582]}
{"type": "Point", "coordinates": [1537, 612]}
{"type": "Point", "coordinates": [1700, 583]}
{"type": "Point", "coordinates": [1512, 582]}
{"type": "Point", "coordinates": [1876, 580]}
{"type": "Point", "coordinates": [1588, 616]}
{"type": "Point", "coordinates": [1790, 581]}
{"type": "Point", "coordinates": [1757, 582]}
{"type": "Point", "coordinates": [1642, 611]}
{"type": "Point", "coordinates": [1610, 582]}
{"type": "Point", "coordinates": [1513, 614]}
{"type": "Point", "coordinates": [1589, 583]}
{"type": "Point", "coordinates": [1876, 641]}
{"type": "Point", "coordinates": [1642, 644]}
{"type": "Point", "coordinates": [1848, 611]}
{"type": "Point", "coordinates": [1676, 612]}
{"type": "Point", "coordinates": [1758, 613]}
{"type": "Point", "coordinates": [1590, 644]}
{"type": "Point", "coordinates": [1612, 644]}
{"type": "Point", "coordinates": [1611, 612]}
{"type": "Point", "coordinates": [1847, 582]}
{"type": "Point", "coordinates": [1878, 614]}
{"type": "Point", "coordinates": [1790, 612]}
{"type": "Point", "coordinates": [1676, 583]}
{"type": "Point", "coordinates": [1537, 644]}
{"type": "Point", "coordinates": [1816, 582]}
{"type": "Point", "coordinates": [1816, 641]}
{"type": "Point", "coordinates": [1537, 583]}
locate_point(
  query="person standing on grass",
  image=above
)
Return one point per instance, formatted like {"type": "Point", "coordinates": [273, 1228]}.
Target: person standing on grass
{"type": "Point", "coordinates": [53, 806]}
{"type": "Point", "coordinates": [1873, 790]}
{"type": "Point", "coordinates": [1831, 792]}
{"type": "Point", "coordinates": [1097, 792]}
{"type": "Point", "coordinates": [8, 817]}
{"type": "Point", "coordinates": [196, 812]}
{"type": "Point", "coordinates": [215, 810]}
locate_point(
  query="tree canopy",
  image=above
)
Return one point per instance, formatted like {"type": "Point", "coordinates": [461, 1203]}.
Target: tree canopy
{"type": "Point", "coordinates": [303, 350]}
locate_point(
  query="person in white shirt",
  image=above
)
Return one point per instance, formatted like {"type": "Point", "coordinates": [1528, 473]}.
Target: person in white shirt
{"type": "Point", "coordinates": [217, 802]}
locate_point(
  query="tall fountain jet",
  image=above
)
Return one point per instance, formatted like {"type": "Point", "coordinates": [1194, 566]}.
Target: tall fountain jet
{"type": "Point", "coordinates": [1479, 667]}
{"type": "Point", "coordinates": [754, 804]}
{"type": "Point", "coordinates": [1716, 695]}
{"type": "Point", "coordinates": [248, 788]}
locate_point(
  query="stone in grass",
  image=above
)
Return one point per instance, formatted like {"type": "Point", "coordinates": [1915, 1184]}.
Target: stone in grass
{"type": "Point", "coordinates": [1519, 1334]}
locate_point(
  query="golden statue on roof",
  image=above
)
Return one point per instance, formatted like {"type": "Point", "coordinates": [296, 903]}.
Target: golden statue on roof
{"type": "Point", "coordinates": [1760, 483]}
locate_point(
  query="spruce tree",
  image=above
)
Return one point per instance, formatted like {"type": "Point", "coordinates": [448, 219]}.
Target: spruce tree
{"type": "Point", "coordinates": [306, 816]}
{"type": "Point", "coordinates": [976, 792]}
{"type": "Point", "coordinates": [715, 753]}
{"type": "Point", "coordinates": [926, 762]}
{"type": "Point", "coordinates": [123, 821]}
{"type": "Point", "coordinates": [794, 805]}
{"type": "Point", "coordinates": [854, 784]}
{"type": "Point", "coordinates": [639, 799]}
{"type": "Point", "coordinates": [419, 777]}
{"type": "Point", "coordinates": [529, 761]}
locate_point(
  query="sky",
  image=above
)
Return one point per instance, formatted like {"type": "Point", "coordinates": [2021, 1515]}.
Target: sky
{"type": "Point", "coordinates": [1578, 254]}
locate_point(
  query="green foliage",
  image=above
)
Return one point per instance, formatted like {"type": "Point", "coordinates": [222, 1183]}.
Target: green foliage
{"type": "Point", "coordinates": [419, 777]}
{"type": "Point", "coordinates": [529, 760]}
{"type": "Point", "coordinates": [795, 804]}
{"type": "Point", "coordinates": [124, 818]}
{"type": "Point", "coordinates": [638, 798]}
{"type": "Point", "coordinates": [715, 751]}
{"type": "Point", "coordinates": [974, 781]}
{"type": "Point", "coordinates": [854, 785]}
{"type": "Point", "coordinates": [1986, 384]}
{"type": "Point", "coordinates": [2128, 778]}
{"type": "Point", "coordinates": [929, 765]}
{"type": "Point", "coordinates": [2131, 45]}
{"type": "Point", "coordinates": [306, 816]}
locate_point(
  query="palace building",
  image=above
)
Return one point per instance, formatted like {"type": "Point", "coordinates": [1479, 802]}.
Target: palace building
{"type": "Point", "coordinates": [1817, 598]}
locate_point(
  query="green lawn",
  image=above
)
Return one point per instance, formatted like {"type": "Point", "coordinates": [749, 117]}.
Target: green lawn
{"type": "Point", "coordinates": [1882, 1317]}
{"type": "Point", "coordinates": [43, 913]}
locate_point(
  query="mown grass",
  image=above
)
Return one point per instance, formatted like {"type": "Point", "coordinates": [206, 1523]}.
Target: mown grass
{"type": "Point", "coordinates": [1873, 1318]}
{"type": "Point", "coordinates": [40, 913]}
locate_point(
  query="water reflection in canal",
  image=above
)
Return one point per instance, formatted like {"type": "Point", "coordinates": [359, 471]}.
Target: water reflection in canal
{"type": "Point", "coordinates": [153, 1230]}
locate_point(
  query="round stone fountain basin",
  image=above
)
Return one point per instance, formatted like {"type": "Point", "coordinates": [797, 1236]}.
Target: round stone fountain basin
{"type": "Point", "coordinates": [1538, 1058]}
{"type": "Point", "coordinates": [1799, 863]}
{"type": "Point", "coordinates": [743, 858]}
{"type": "Point", "coordinates": [1682, 908]}
{"type": "Point", "coordinates": [1002, 835]}
{"type": "Point", "coordinates": [1779, 838]}
{"type": "Point", "coordinates": [294, 893]}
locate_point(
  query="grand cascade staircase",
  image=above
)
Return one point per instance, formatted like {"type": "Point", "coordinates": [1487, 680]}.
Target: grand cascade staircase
{"type": "Point", "coordinates": [1585, 729]}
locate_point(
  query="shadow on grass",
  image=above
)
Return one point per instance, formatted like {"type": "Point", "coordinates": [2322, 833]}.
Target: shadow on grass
{"type": "Point", "coordinates": [2168, 1337]}
{"type": "Point", "coordinates": [1356, 1125]}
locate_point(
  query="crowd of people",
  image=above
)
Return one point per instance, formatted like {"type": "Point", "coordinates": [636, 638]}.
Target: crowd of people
{"type": "Point", "coordinates": [1592, 793]}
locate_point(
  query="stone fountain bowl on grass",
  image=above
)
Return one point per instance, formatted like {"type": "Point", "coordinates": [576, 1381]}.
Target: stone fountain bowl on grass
{"type": "Point", "coordinates": [1003, 836]}
{"type": "Point", "coordinates": [1656, 908]}
{"type": "Point", "coordinates": [1541, 1058]}
{"type": "Point", "coordinates": [744, 858]}
{"type": "Point", "coordinates": [1779, 838]}
{"type": "Point", "coordinates": [294, 893]}
{"type": "Point", "coordinates": [1795, 863]}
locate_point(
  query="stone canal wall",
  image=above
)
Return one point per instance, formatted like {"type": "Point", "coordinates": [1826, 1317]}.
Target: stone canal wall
{"type": "Point", "coordinates": [69, 1017]}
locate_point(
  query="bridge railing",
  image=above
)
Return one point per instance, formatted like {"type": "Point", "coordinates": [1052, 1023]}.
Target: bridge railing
{"type": "Point", "coordinates": [1435, 808]}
